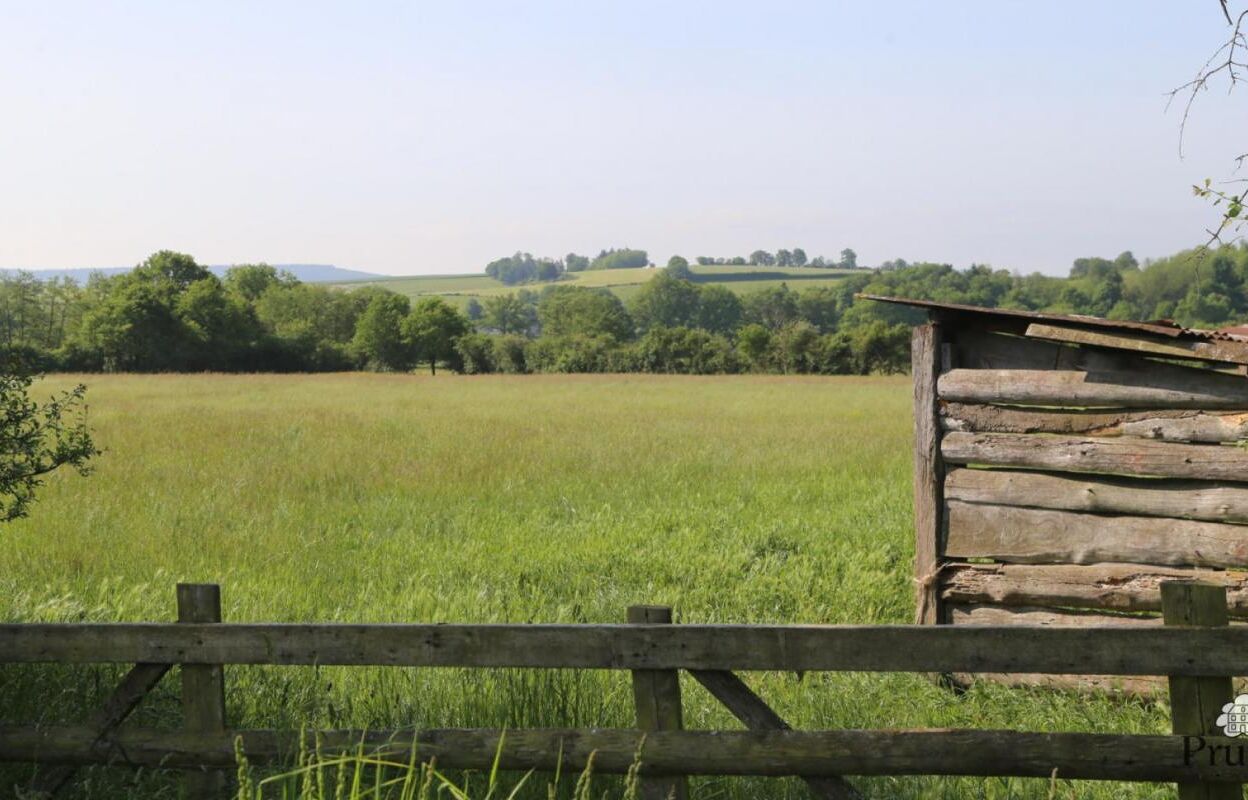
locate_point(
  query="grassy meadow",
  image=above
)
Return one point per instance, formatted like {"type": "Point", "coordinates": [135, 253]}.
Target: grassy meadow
{"type": "Point", "coordinates": [387, 498]}
{"type": "Point", "coordinates": [624, 283]}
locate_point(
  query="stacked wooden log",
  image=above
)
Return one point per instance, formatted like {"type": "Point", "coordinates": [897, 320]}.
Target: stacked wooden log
{"type": "Point", "coordinates": [1063, 472]}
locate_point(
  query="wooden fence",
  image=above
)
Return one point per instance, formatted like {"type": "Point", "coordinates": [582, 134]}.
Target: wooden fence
{"type": "Point", "coordinates": [1065, 466]}
{"type": "Point", "coordinates": [1196, 648]}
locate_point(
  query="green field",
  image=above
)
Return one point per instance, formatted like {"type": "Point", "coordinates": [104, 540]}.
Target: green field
{"type": "Point", "coordinates": [384, 498]}
{"type": "Point", "coordinates": [622, 282]}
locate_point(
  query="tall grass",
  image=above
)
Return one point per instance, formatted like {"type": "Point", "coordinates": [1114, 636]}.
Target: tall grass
{"type": "Point", "coordinates": [372, 498]}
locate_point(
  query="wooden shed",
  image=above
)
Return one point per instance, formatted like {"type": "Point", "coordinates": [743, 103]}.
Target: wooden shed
{"type": "Point", "coordinates": [1065, 465]}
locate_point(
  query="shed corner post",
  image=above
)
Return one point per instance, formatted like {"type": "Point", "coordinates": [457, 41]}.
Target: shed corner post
{"type": "Point", "coordinates": [926, 347]}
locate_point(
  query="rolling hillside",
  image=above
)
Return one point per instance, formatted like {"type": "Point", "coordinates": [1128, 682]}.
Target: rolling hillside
{"type": "Point", "coordinates": [622, 282]}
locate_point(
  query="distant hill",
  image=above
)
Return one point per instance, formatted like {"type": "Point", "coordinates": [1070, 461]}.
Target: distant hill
{"type": "Point", "coordinates": [308, 273]}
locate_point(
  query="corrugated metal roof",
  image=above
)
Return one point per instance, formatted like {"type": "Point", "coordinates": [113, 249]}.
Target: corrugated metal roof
{"type": "Point", "coordinates": [1164, 327]}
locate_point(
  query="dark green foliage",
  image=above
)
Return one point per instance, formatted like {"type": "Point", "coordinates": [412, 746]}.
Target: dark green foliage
{"type": "Point", "coordinates": [577, 311]}
{"type": "Point", "coordinates": [719, 309]}
{"type": "Point", "coordinates": [685, 351]}
{"type": "Point", "coordinates": [523, 268]}
{"type": "Point", "coordinates": [624, 258]}
{"type": "Point", "coordinates": [574, 263]}
{"type": "Point", "coordinates": [38, 438]}
{"type": "Point", "coordinates": [379, 335]}
{"type": "Point", "coordinates": [678, 267]}
{"type": "Point", "coordinates": [665, 300]}
{"type": "Point", "coordinates": [431, 331]}
{"type": "Point", "coordinates": [509, 313]}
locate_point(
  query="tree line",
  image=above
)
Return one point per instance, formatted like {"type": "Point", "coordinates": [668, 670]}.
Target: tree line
{"type": "Point", "coordinates": [524, 268]}
{"type": "Point", "coordinates": [171, 314]}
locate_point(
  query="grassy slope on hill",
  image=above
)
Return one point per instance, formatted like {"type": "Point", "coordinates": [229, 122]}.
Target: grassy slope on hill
{"type": "Point", "coordinates": [386, 498]}
{"type": "Point", "coordinates": [623, 282]}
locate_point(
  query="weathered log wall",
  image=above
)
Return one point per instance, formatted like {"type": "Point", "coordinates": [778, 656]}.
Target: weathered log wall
{"type": "Point", "coordinates": [1076, 469]}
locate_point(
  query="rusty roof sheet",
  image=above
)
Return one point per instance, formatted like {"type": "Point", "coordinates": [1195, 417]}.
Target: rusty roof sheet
{"type": "Point", "coordinates": [1163, 327]}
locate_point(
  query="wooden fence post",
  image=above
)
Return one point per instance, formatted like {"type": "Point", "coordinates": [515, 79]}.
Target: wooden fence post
{"type": "Point", "coordinates": [203, 688]}
{"type": "Point", "coordinates": [1195, 702]}
{"type": "Point", "coordinates": [656, 693]}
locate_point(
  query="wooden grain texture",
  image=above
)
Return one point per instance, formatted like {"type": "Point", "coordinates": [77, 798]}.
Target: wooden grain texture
{"type": "Point", "coordinates": [1157, 387]}
{"type": "Point", "coordinates": [1173, 425]}
{"type": "Point", "coordinates": [1209, 428]}
{"type": "Point", "coordinates": [979, 348]}
{"type": "Point", "coordinates": [1098, 455]}
{"type": "Point", "coordinates": [925, 359]}
{"type": "Point", "coordinates": [783, 648]}
{"type": "Point", "coordinates": [656, 697]}
{"type": "Point", "coordinates": [1215, 502]}
{"type": "Point", "coordinates": [1117, 587]}
{"type": "Point", "coordinates": [203, 688]}
{"type": "Point", "coordinates": [755, 714]}
{"type": "Point", "coordinates": [1230, 352]}
{"type": "Point", "coordinates": [134, 686]}
{"type": "Point", "coordinates": [766, 753]}
{"type": "Point", "coordinates": [1041, 536]}
{"type": "Point", "coordinates": [1040, 617]}
{"type": "Point", "coordinates": [1195, 702]}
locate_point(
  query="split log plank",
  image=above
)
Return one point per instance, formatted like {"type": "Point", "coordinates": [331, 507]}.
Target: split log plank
{"type": "Point", "coordinates": [1117, 587]}
{"type": "Point", "coordinates": [1112, 456]}
{"type": "Point", "coordinates": [979, 348]}
{"type": "Point", "coordinates": [1231, 352]}
{"type": "Point", "coordinates": [1161, 386]}
{"type": "Point", "coordinates": [784, 648]}
{"type": "Point", "coordinates": [1031, 615]}
{"type": "Point", "coordinates": [1092, 756]}
{"type": "Point", "coordinates": [1205, 500]}
{"type": "Point", "coordinates": [1184, 425]}
{"type": "Point", "coordinates": [1041, 536]}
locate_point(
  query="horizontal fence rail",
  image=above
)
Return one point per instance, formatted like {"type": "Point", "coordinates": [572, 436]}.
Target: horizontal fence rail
{"type": "Point", "coordinates": [769, 754]}
{"type": "Point", "coordinates": [1195, 648]}
{"type": "Point", "coordinates": [1106, 650]}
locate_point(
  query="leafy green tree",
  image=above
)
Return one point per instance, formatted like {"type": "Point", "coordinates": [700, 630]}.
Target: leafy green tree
{"type": "Point", "coordinates": [476, 353]}
{"type": "Point", "coordinates": [250, 281]}
{"type": "Point", "coordinates": [473, 309]}
{"type": "Point", "coordinates": [772, 308]}
{"type": "Point", "coordinates": [849, 259]}
{"type": "Point", "coordinates": [678, 267]}
{"type": "Point", "coordinates": [685, 351]}
{"type": "Point", "coordinates": [821, 307]}
{"type": "Point", "coordinates": [38, 439]}
{"type": "Point", "coordinates": [784, 258]}
{"type": "Point", "coordinates": [574, 263]}
{"type": "Point", "coordinates": [575, 310]}
{"type": "Point", "coordinates": [754, 345]}
{"type": "Point", "coordinates": [623, 258]}
{"type": "Point", "coordinates": [431, 329]}
{"type": "Point", "coordinates": [761, 258]}
{"type": "Point", "coordinates": [666, 301]}
{"type": "Point", "coordinates": [719, 309]}
{"type": "Point", "coordinates": [379, 335]}
{"type": "Point", "coordinates": [799, 257]}
{"type": "Point", "coordinates": [508, 313]}
{"type": "Point", "coordinates": [795, 348]}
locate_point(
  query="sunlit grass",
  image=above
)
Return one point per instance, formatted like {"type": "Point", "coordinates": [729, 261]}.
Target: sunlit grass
{"type": "Point", "coordinates": [374, 498]}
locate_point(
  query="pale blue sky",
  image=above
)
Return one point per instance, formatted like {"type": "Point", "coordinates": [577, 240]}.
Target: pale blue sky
{"type": "Point", "coordinates": [420, 137]}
